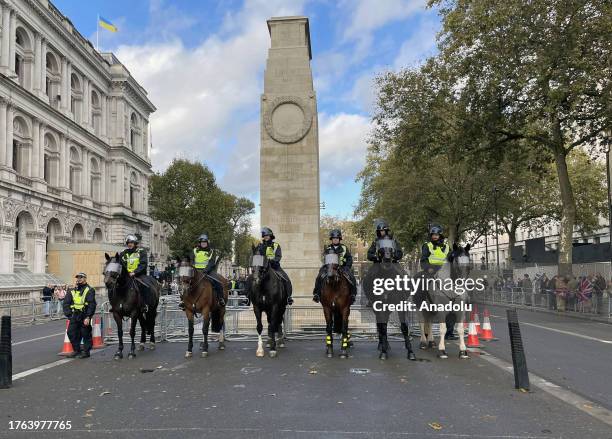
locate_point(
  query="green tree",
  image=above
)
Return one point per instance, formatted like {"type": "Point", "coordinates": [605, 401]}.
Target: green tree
{"type": "Point", "coordinates": [187, 197]}
{"type": "Point", "coordinates": [535, 71]}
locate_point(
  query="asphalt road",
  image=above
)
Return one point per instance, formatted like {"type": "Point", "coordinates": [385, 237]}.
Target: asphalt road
{"type": "Point", "coordinates": [568, 358]}
{"type": "Point", "coordinates": [233, 394]}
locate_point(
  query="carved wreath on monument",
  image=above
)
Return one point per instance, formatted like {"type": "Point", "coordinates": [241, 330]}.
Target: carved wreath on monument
{"type": "Point", "coordinates": [288, 119]}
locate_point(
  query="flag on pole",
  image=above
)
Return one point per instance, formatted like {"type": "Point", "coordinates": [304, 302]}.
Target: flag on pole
{"type": "Point", "coordinates": [107, 24]}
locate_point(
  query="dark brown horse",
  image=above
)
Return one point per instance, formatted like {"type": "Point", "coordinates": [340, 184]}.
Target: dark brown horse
{"type": "Point", "coordinates": [336, 302]}
{"type": "Point", "coordinates": [199, 298]}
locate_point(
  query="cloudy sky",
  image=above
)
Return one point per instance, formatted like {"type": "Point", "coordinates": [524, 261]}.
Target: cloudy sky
{"type": "Point", "coordinates": [202, 63]}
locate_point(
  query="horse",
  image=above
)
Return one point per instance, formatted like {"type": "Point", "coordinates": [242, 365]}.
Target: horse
{"type": "Point", "coordinates": [336, 302]}
{"type": "Point", "coordinates": [199, 298]}
{"type": "Point", "coordinates": [125, 301]}
{"type": "Point", "coordinates": [267, 294]}
{"type": "Point", "coordinates": [457, 267]}
{"type": "Point", "coordinates": [387, 269]}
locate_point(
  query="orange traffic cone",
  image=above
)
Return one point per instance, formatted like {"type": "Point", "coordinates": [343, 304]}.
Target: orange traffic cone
{"type": "Point", "coordinates": [98, 342]}
{"type": "Point", "coordinates": [472, 340]}
{"type": "Point", "coordinates": [487, 330]}
{"type": "Point", "coordinates": [67, 348]}
{"type": "Point", "coordinates": [477, 323]}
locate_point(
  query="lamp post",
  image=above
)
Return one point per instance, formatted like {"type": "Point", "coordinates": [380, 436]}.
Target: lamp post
{"type": "Point", "coordinates": [496, 229]}
{"type": "Point", "coordinates": [609, 201]}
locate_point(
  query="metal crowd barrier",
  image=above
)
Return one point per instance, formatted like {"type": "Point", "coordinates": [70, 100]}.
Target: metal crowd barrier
{"type": "Point", "coordinates": [303, 320]}
{"type": "Point", "coordinates": [597, 305]}
{"type": "Point", "coordinates": [31, 312]}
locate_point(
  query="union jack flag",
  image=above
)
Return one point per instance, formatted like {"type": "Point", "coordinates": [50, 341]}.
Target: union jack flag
{"type": "Point", "coordinates": [585, 290]}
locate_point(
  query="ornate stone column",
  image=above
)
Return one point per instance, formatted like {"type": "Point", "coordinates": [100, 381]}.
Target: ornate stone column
{"type": "Point", "coordinates": [6, 37]}
{"type": "Point", "coordinates": [3, 126]}
{"type": "Point", "coordinates": [12, 43]}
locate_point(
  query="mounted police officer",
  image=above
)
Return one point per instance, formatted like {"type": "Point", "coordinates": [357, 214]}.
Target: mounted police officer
{"type": "Point", "coordinates": [136, 262]}
{"type": "Point", "coordinates": [346, 263]}
{"type": "Point", "coordinates": [79, 308]}
{"type": "Point", "coordinates": [272, 251]}
{"type": "Point", "coordinates": [204, 259]}
{"type": "Point", "coordinates": [434, 253]}
{"type": "Point", "coordinates": [384, 232]}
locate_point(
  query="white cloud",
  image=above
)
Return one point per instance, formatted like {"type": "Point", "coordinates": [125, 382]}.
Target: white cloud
{"type": "Point", "coordinates": [242, 175]}
{"type": "Point", "coordinates": [366, 16]}
{"type": "Point", "coordinates": [200, 91]}
{"type": "Point", "coordinates": [420, 45]}
{"type": "Point", "coordinates": [342, 147]}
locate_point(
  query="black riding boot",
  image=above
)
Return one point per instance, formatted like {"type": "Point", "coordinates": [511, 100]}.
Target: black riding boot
{"type": "Point", "coordinates": [289, 290]}
{"type": "Point", "coordinates": [219, 294]}
{"type": "Point", "coordinates": [316, 292]}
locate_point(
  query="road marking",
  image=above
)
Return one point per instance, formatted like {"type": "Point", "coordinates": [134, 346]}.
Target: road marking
{"type": "Point", "coordinates": [560, 331]}
{"type": "Point", "coordinates": [582, 404]}
{"type": "Point", "coordinates": [38, 338]}
{"type": "Point", "coordinates": [34, 370]}
{"type": "Point", "coordinates": [41, 368]}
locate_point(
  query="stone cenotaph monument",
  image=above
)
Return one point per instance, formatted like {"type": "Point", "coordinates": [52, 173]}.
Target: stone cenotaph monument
{"type": "Point", "coordinates": [289, 157]}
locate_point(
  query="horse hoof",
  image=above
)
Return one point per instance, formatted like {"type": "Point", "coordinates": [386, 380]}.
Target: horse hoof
{"type": "Point", "coordinates": [151, 346]}
{"type": "Point", "coordinates": [383, 356]}
{"type": "Point", "coordinates": [443, 355]}
{"type": "Point", "coordinates": [330, 355]}
{"type": "Point", "coordinates": [221, 346]}
{"type": "Point", "coordinates": [260, 353]}
{"type": "Point", "coordinates": [431, 344]}
{"type": "Point", "coordinates": [281, 344]}
{"type": "Point", "coordinates": [118, 356]}
{"type": "Point", "coordinates": [188, 354]}
{"type": "Point", "coordinates": [343, 355]}
{"type": "Point", "coordinates": [423, 345]}
{"type": "Point", "coordinates": [463, 355]}
{"type": "Point", "coordinates": [411, 356]}
{"type": "Point", "coordinates": [204, 354]}
{"type": "Point", "coordinates": [272, 354]}
{"type": "Point", "coordinates": [141, 347]}
{"type": "Point", "coordinates": [131, 356]}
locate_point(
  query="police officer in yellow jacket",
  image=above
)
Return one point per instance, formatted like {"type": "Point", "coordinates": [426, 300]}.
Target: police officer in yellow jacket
{"type": "Point", "coordinates": [272, 251]}
{"type": "Point", "coordinates": [434, 253]}
{"type": "Point", "coordinates": [204, 259]}
{"type": "Point", "coordinates": [135, 261]}
{"type": "Point", "coordinates": [79, 308]}
{"type": "Point", "coordinates": [346, 263]}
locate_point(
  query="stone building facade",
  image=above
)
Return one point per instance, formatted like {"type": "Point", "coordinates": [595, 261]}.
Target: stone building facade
{"type": "Point", "coordinates": [74, 141]}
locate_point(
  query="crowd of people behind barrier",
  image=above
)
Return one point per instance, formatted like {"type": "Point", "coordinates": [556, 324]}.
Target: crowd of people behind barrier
{"type": "Point", "coordinates": [589, 293]}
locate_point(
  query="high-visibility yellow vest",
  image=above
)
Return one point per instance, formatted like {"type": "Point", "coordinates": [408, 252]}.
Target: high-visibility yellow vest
{"type": "Point", "coordinates": [271, 250]}
{"type": "Point", "coordinates": [201, 258]}
{"type": "Point", "coordinates": [437, 255]}
{"type": "Point", "coordinates": [132, 260]}
{"type": "Point", "coordinates": [78, 299]}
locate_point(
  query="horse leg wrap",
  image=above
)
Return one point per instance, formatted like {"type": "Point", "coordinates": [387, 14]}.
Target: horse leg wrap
{"type": "Point", "coordinates": [328, 340]}
{"type": "Point", "coordinates": [345, 341]}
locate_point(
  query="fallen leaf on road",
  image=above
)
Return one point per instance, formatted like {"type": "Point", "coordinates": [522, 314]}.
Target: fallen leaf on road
{"type": "Point", "coordinates": [313, 372]}
{"type": "Point", "coordinates": [587, 406]}
{"type": "Point", "coordinates": [104, 393]}
{"type": "Point", "coordinates": [435, 425]}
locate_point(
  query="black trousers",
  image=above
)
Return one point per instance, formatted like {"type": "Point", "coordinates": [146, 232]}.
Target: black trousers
{"type": "Point", "coordinates": [213, 278]}
{"type": "Point", "coordinates": [286, 281]}
{"type": "Point", "coordinates": [77, 331]}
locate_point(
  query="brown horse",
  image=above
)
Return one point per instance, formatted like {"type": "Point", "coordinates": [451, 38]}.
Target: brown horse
{"type": "Point", "coordinates": [199, 298]}
{"type": "Point", "coordinates": [336, 302]}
